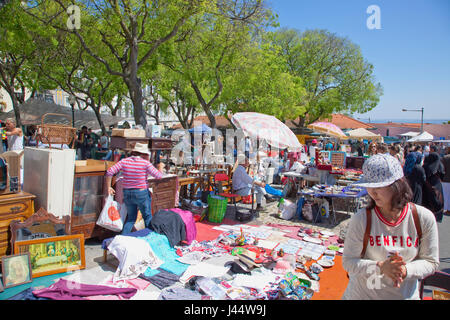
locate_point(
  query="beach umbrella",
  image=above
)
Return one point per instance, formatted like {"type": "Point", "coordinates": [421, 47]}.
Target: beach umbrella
{"type": "Point", "coordinates": [268, 128]}
{"type": "Point", "coordinates": [328, 128]}
{"type": "Point", "coordinates": [362, 133]}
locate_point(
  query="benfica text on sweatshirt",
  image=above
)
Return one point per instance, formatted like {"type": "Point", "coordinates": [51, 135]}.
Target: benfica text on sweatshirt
{"type": "Point", "coordinates": [421, 256]}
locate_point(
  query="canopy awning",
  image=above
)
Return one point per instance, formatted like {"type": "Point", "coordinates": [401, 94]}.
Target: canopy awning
{"type": "Point", "coordinates": [32, 111]}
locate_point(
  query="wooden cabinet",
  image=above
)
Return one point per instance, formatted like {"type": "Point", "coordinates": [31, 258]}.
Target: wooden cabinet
{"type": "Point", "coordinates": [164, 193]}
{"type": "Point", "coordinates": [17, 206]}
{"type": "Point", "coordinates": [88, 199]}
{"type": "Point", "coordinates": [126, 143]}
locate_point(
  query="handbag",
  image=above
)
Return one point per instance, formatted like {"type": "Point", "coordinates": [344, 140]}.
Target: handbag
{"type": "Point", "coordinates": [113, 215]}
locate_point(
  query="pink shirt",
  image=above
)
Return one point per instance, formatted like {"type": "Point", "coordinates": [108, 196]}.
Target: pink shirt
{"type": "Point", "coordinates": [135, 171]}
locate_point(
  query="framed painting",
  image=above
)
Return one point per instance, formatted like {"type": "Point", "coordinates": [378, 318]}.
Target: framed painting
{"type": "Point", "coordinates": [54, 254]}
{"type": "Point", "coordinates": [16, 270]}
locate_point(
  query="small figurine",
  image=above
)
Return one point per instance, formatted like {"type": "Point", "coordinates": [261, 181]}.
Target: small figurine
{"type": "Point", "coordinates": [281, 253]}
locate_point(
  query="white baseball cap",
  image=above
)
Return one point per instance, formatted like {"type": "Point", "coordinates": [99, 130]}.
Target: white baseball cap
{"type": "Point", "coordinates": [380, 170]}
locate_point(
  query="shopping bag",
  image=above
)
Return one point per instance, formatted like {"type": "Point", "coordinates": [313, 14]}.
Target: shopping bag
{"type": "Point", "coordinates": [112, 216]}
{"type": "Point", "coordinates": [307, 211]}
{"type": "Point", "coordinates": [287, 210]}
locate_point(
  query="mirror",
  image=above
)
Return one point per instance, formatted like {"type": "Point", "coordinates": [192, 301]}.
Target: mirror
{"type": "Point", "coordinates": [41, 224]}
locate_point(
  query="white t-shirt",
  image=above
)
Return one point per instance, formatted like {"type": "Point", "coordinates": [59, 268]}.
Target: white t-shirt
{"type": "Point", "coordinates": [421, 260]}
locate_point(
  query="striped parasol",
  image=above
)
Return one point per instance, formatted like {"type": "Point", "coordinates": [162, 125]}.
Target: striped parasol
{"type": "Point", "coordinates": [268, 128]}
{"type": "Point", "coordinates": [328, 128]}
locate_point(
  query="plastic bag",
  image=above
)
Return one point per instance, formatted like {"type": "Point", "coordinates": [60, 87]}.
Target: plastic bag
{"type": "Point", "coordinates": [112, 216]}
{"type": "Point", "coordinates": [287, 210]}
{"type": "Point", "coordinates": [307, 211]}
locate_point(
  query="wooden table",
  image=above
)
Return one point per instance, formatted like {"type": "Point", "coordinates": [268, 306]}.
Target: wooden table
{"type": "Point", "coordinates": [183, 182]}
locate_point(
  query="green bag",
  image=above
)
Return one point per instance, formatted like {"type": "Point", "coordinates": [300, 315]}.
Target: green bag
{"type": "Point", "coordinates": [217, 208]}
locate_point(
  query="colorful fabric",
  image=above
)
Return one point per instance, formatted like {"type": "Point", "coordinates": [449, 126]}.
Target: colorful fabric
{"type": "Point", "coordinates": [165, 252]}
{"type": "Point", "coordinates": [135, 171]}
{"type": "Point", "coordinates": [70, 290]}
{"type": "Point", "coordinates": [188, 218]}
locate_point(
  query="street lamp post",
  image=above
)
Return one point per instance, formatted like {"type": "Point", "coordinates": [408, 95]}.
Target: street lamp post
{"type": "Point", "coordinates": [421, 119]}
{"type": "Point", "coordinates": [72, 101]}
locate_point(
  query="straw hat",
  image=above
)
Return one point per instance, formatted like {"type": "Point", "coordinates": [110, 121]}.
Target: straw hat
{"type": "Point", "coordinates": [141, 148]}
{"type": "Point", "coordinates": [380, 170]}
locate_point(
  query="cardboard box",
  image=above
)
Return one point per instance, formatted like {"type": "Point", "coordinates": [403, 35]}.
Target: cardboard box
{"type": "Point", "coordinates": [128, 133]}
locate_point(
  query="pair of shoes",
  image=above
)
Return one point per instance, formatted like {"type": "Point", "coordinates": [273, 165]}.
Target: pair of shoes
{"type": "Point", "coordinates": [259, 208]}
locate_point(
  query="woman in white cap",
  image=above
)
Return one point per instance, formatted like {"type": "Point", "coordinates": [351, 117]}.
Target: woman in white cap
{"type": "Point", "coordinates": [135, 170]}
{"type": "Point", "coordinates": [391, 244]}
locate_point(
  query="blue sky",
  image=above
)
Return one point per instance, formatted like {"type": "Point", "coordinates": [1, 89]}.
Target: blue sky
{"type": "Point", "coordinates": [410, 53]}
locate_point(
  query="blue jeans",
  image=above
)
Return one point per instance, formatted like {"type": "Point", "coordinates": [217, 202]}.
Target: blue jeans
{"type": "Point", "coordinates": [135, 199]}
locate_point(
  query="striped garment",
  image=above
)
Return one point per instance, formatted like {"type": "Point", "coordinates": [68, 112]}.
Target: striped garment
{"type": "Point", "coordinates": [135, 171]}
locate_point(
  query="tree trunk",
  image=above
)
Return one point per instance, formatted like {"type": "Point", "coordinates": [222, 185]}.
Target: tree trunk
{"type": "Point", "coordinates": [133, 82]}
{"type": "Point", "coordinates": [16, 105]}
{"type": "Point", "coordinates": [99, 118]}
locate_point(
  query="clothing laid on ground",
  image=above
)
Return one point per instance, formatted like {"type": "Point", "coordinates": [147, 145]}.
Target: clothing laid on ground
{"type": "Point", "coordinates": [69, 290]}
{"type": "Point", "coordinates": [135, 255]}
{"type": "Point", "coordinates": [162, 279]}
{"type": "Point", "coordinates": [188, 219]}
{"type": "Point", "coordinates": [421, 257]}
{"type": "Point", "coordinates": [171, 225]}
{"type": "Point", "coordinates": [161, 246]}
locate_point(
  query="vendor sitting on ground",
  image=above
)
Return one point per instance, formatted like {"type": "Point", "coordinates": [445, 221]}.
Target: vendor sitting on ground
{"type": "Point", "coordinates": [242, 182]}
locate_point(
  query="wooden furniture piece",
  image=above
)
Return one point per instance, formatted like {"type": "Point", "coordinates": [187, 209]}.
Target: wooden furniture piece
{"type": "Point", "coordinates": [126, 143]}
{"type": "Point", "coordinates": [188, 186]}
{"type": "Point", "coordinates": [17, 206]}
{"type": "Point", "coordinates": [88, 198]}
{"type": "Point", "coordinates": [164, 193]}
{"type": "Point", "coordinates": [40, 224]}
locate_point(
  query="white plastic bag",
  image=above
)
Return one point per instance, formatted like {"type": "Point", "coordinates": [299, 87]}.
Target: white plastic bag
{"type": "Point", "coordinates": [112, 216]}
{"type": "Point", "coordinates": [287, 210]}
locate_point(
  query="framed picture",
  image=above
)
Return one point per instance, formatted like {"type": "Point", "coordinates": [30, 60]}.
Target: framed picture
{"type": "Point", "coordinates": [16, 270]}
{"type": "Point", "coordinates": [54, 255]}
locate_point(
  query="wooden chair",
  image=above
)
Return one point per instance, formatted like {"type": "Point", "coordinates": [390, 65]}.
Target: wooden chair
{"type": "Point", "coordinates": [439, 279]}
{"type": "Point", "coordinates": [38, 221]}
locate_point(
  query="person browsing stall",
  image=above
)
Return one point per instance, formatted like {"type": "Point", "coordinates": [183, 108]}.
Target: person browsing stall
{"type": "Point", "coordinates": [391, 244]}
{"type": "Point", "coordinates": [135, 170]}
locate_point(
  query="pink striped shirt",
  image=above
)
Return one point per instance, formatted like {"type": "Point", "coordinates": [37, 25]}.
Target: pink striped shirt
{"type": "Point", "coordinates": [135, 171]}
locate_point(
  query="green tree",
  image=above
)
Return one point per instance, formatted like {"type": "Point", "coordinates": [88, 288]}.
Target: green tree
{"type": "Point", "coordinates": [210, 45]}
{"type": "Point", "coordinates": [122, 35]}
{"type": "Point", "coordinates": [20, 48]}
{"type": "Point", "coordinates": [334, 73]}
{"type": "Point", "coordinates": [262, 84]}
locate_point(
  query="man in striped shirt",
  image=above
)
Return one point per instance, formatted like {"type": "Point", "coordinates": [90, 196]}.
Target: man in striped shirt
{"type": "Point", "coordinates": [135, 171]}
